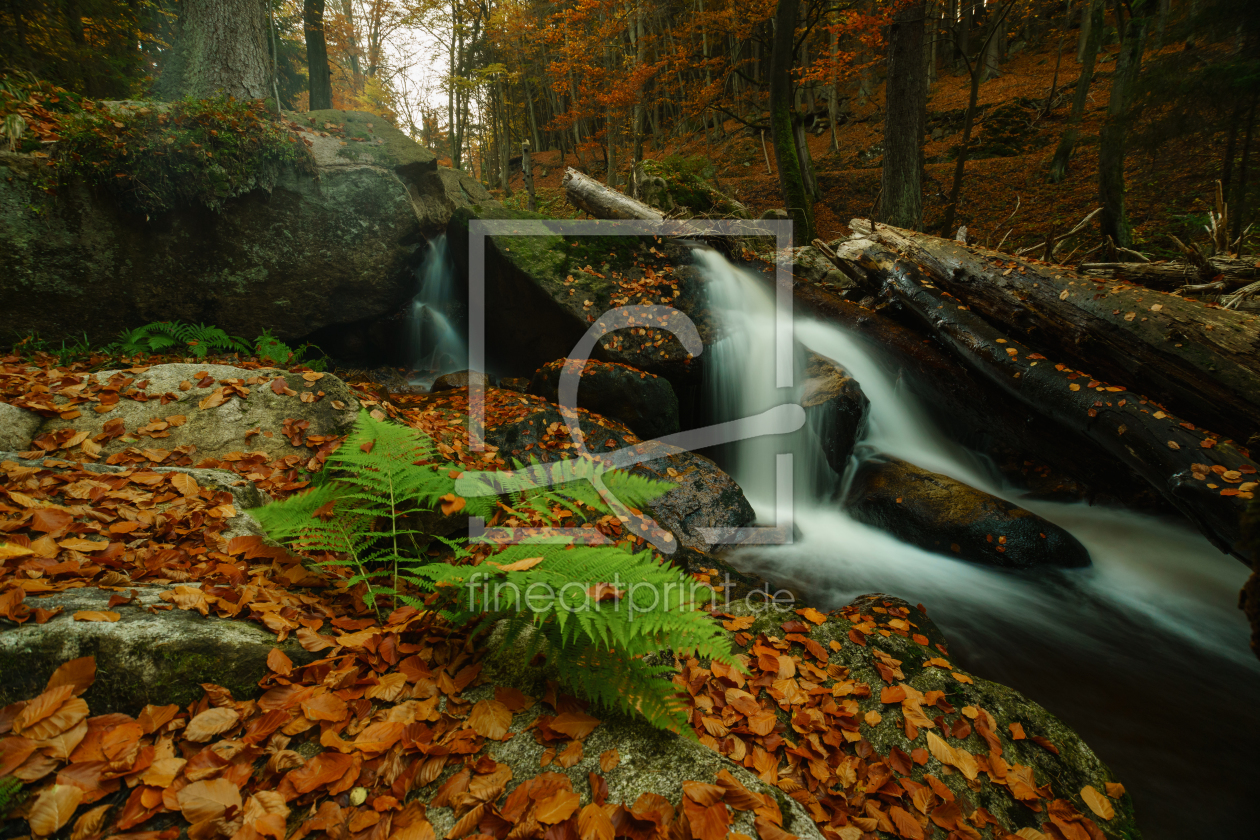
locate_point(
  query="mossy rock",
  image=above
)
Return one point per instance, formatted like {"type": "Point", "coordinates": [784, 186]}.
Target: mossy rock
{"type": "Point", "coordinates": [542, 293]}
{"type": "Point", "coordinates": [142, 658]}
{"type": "Point", "coordinates": [369, 139]}
{"type": "Point", "coordinates": [685, 186]}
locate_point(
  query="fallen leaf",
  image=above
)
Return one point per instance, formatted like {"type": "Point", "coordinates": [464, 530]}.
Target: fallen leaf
{"type": "Point", "coordinates": [211, 722]}
{"type": "Point", "coordinates": [97, 615]}
{"type": "Point", "coordinates": [490, 719]}
{"type": "Point", "coordinates": [1097, 803]}
{"type": "Point", "coordinates": [53, 808]}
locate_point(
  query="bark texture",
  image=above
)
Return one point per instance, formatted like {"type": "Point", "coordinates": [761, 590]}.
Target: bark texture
{"type": "Point", "coordinates": [585, 193]}
{"type": "Point", "coordinates": [901, 181]}
{"type": "Point", "coordinates": [796, 198]}
{"type": "Point", "coordinates": [1114, 221]}
{"type": "Point", "coordinates": [317, 55]}
{"type": "Point", "coordinates": [220, 49]}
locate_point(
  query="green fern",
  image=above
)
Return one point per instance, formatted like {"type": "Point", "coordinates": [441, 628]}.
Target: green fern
{"type": "Point", "coordinates": [608, 612]}
{"type": "Point", "coordinates": [200, 339]}
{"type": "Point", "coordinates": [11, 795]}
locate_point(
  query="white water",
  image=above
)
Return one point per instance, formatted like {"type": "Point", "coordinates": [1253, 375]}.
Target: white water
{"type": "Point", "coordinates": [1153, 618]}
{"type": "Point", "coordinates": [435, 344]}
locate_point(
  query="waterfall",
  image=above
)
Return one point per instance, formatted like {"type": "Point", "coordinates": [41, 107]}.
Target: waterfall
{"type": "Point", "coordinates": [1155, 614]}
{"type": "Point", "coordinates": [435, 343]}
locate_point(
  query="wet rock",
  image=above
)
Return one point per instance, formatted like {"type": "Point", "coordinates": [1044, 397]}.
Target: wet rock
{"type": "Point", "coordinates": [643, 401]}
{"type": "Point", "coordinates": [515, 383]}
{"type": "Point", "coordinates": [939, 514]}
{"type": "Point", "coordinates": [217, 429]}
{"type": "Point", "coordinates": [835, 408]}
{"type": "Point", "coordinates": [532, 428]}
{"type": "Point", "coordinates": [460, 379]}
{"type": "Point", "coordinates": [142, 658]}
{"type": "Point", "coordinates": [17, 427]}
{"type": "Point", "coordinates": [542, 293]}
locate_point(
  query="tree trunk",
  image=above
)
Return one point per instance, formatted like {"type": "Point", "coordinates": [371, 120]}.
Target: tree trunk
{"type": "Point", "coordinates": [901, 180]}
{"type": "Point", "coordinates": [220, 49]}
{"type": "Point", "coordinates": [1202, 363]}
{"type": "Point", "coordinates": [796, 197]}
{"type": "Point", "coordinates": [317, 55]}
{"type": "Point", "coordinates": [1114, 221]}
{"type": "Point", "coordinates": [585, 193]}
{"type": "Point", "coordinates": [1239, 210]}
{"type": "Point", "coordinates": [1089, 54]}
{"type": "Point", "coordinates": [527, 173]}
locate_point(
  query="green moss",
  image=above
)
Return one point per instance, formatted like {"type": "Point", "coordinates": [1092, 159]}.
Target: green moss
{"type": "Point", "coordinates": [154, 157]}
{"type": "Point", "coordinates": [367, 135]}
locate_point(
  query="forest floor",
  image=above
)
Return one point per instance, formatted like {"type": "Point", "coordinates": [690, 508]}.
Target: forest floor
{"type": "Point", "coordinates": [1170, 188]}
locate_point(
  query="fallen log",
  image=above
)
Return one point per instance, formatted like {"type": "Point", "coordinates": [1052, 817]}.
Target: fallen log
{"type": "Point", "coordinates": [602, 202]}
{"type": "Point", "coordinates": [1230, 273]}
{"type": "Point", "coordinates": [1209, 480]}
{"type": "Point", "coordinates": [968, 407]}
{"type": "Point", "coordinates": [1203, 363]}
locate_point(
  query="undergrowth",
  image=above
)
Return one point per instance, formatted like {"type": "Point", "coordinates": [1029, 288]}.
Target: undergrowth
{"type": "Point", "coordinates": [595, 611]}
{"type": "Point", "coordinates": [154, 157]}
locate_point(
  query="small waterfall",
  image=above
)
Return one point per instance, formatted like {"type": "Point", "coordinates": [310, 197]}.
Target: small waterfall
{"type": "Point", "coordinates": [1154, 616]}
{"type": "Point", "coordinates": [436, 345]}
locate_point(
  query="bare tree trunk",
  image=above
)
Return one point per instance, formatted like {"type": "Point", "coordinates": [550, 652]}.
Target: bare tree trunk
{"type": "Point", "coordinates": [317, 55]}
{"type": "Point", "coordinates": [796, 197]}
{"type": "Point", "coordinates": [1239, 210]}
{"type": "Point", "coordinates": [220, 49]}
{"type": "Point", "coordinates": [1114, 221]}
{"type": "Point", "coordinates": [901, 180]}
{"type": "Point", "coordinates": [527, 171]}
{"type": "Point", "coordinates": [1067, 143]}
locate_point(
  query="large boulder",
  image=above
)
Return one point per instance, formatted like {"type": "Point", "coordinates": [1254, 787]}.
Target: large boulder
{"type": "Point", "coordinates": [218, 409]}
{"type": "Point", "coordinates": [151, 654]}
{"type": "Point", "coordinates": [643, 401]}
{"type": "Point", "coordinates": [522, 427]}
{"type": "Point", "coordinates": [17, 427]}
{"type": "Point", "coordinates": [835, 409]}
{"type": "Point", "coordinates": [921, 736]}
{"type": "Point", "coordinates": [332, 241]}
{"type": "Point", "coordinates": [940, 514]}
{"type": "Point", "coordinates": [542, 293]}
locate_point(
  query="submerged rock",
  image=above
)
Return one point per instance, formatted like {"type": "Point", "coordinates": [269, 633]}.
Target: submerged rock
{"type": "Point", "coordinates": [643, 401]}
{"type": "Point", "coordinates": [835, 408]}
{"type": "Point", "coordinates": [161, 408]}
{"type": "Point", "coordinates": [940, 514]}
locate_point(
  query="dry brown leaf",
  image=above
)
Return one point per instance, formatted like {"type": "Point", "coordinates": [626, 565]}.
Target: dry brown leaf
{"type": "Point", "coordinates": [574, 724]}
{"type": "Point", "coordinates": [53, 808]}
{"type": "Point", "coordinates": [41, 707]}
{"type": "Point", "coordinates": [77, 673]}
{"type": "Point", "coordinates": [279, 662]}
{"type": "Point", "coordinates": [594, 824]}
{"type": "Point", "coordinates": [209, 800]}
{"type": "Point", "coordinates": [97, 615]}
{"type": "Point", "coordinates": [1030, 834]}
{"type": "Point", "coordinates": [520, 565]}
{"type": "Point", "coordinates": [209, 723]}
{"type": "Point", "coordinates": [185, 484]}
{"type": "Point", "coordinates": [609, 759]}
{"type": "Point", "coordinates": [1097, 803]}
{"type": "Point", "coordinates": [558, 807]}
{"type": "Point", "coordinates": [90, 824]}
{"type": "Point", "coordinates": [1115, 790]}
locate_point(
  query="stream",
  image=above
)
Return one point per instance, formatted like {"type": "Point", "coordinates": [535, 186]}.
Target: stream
{"type": "Point", "coordinates": [1145, 653]}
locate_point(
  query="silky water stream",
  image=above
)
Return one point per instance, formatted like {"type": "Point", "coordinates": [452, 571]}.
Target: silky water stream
{"type": "Point", "coordinates": [1145, 653]}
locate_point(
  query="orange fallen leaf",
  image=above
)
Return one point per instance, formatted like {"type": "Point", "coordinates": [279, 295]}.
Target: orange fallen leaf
{"type": "Point", "coordinates": [1097, 803]}
{"type": "Point", "coordinates": [53, 808]}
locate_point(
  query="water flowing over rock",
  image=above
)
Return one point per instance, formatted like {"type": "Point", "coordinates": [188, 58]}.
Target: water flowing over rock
{"type": "Point", "coordinates": [334, 245]}
{"type": "Point", "coordinates": [836, 408]}
{"type": "Point", "coordinates": [940, 514]}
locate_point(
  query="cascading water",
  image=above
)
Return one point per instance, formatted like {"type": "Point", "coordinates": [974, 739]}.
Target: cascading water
{"type": "Point", "coordinates": [436, 345]}
{"type": "Point", "coordinates": [1144, 653]}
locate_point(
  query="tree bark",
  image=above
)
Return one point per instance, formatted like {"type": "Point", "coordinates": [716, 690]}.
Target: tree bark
{"type": "Point", "coordinates": [796, 198]}
{"type": "Point", "coordinates": [901, 179]}
{"type": "Point", "coordinates": [1089, 54]}
{"type": "Point", "coordinates": [220, 49]}
{"type": "Point", "coordinates": [527, 173]}
{"type": "Point", "coordinates": [1202, 363]}
{"type": "Point", "coordinates": [317, 55]}
{"type": "Point", "coordinates": [585, 193]}
{"type": "Point", "coordinates": [1114, 221]}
